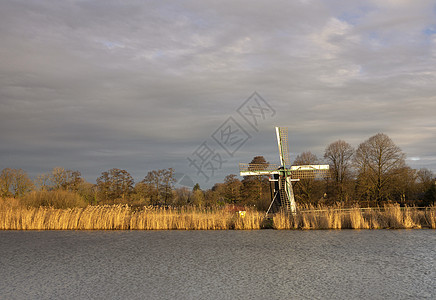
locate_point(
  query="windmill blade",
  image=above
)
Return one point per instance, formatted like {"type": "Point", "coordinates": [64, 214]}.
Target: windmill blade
{"type": "Point", "coordinates": [257, 169]}
{"type": "Point", "coordinates": [282, 140]}
{"type": "Point", "coordinates": [310, 172]}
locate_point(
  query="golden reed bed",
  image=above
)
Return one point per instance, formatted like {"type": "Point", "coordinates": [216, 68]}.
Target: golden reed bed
{"type": "Point", "coordinates": [390, 216]}
{"type": "Point", "coordinates": [122, 217]}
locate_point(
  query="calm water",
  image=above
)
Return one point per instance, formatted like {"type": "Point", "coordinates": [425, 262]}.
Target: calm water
{"type": "Point", "coordinates": [266, 264]}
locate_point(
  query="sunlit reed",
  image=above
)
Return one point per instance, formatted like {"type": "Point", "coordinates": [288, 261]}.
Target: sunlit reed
{"type": "Point", "coordinates": [15, 216]}
{"type": "Point", "coordinates": [390, 216]}
{"type": "Point", "coordinates": [123, 217]}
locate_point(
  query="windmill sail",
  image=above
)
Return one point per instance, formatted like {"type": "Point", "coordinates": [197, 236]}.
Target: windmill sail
{"type": "Point", "coordinates": [310, 171]}
{"type": "Point", "coordinates": [282, 140]}
{"type": "Point", "coordinates": [257, 169]}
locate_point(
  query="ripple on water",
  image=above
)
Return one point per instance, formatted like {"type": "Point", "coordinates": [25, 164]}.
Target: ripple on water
{"type": "Point", "coordinates": [388, 264]}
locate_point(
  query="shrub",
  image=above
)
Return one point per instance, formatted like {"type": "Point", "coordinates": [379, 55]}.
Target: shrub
{"type": "Point", "coordinates": [55, 199]}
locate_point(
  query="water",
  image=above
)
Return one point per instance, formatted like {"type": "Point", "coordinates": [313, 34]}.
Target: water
{"type": "Point", "coordinates": [265, 264]}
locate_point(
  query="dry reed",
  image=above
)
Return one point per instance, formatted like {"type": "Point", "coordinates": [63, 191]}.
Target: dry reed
{"type": "Point", "coordinates": [122, 217]}
{"type": "Point", "coordinates": [14, 216]}
{"type": "Point", "coordinates": [391, 216]}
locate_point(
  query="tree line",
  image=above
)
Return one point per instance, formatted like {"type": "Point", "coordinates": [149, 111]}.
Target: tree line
{"type": "Point", "coordinates": [372, 174]}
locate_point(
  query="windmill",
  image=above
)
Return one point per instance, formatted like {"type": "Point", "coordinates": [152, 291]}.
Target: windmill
{"type": "Point", "coordinates": [282, 176]}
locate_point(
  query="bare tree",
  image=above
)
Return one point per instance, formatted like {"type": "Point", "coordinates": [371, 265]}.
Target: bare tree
{"type": "Point", "coordinates": [6, 178]}
{"type": "Point", "coordinates": [115, 184]}
{"type": "Point", "coordinates": [168, 181]}
{"type": "Point", "coordinates": [182, 195]}
{"type": "Point", "coordinates": [404, 184]}
{"type": "Point", "coordinates": [378, 160]}
{"type": "Point", "coordinates": [425, 177]}
{"type": "Point", "coordinates": [161, 184]}
{"type": "Point", "coordinates": [308, 190]}
{"type": "Point", "coordinates": [232, 188]}
{"type": "Point", "coordinates": [306, 158]}
{"type": "Point", "coordinates": [339, 156]}
{"type": "Point", "coordinates": [74, 180]}
{"type": "Point", "coordinates": [58, 177]}
{"type": "Point", "coordinates": [426, 186]}
{"type": "Point", "coordinates": [255, 189]}
{"type": "Point", "coordinates": [154, 182]}
{"type": "Point", "coordinates": [21, 183]}
{"type": "Point", "coordinates": [14, 182]}
{"type": "Point", "coordinates": [65, 179]}
{"type": "Point", "coordinates": [43, 182]}
{"type": "Point", "coordinates": [141, 192]}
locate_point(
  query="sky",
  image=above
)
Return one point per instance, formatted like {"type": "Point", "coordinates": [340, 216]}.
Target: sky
{"type": "Point", "coordinates": [199, 86]}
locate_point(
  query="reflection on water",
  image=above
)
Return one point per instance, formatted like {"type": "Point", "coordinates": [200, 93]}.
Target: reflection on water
{"type": "Point", "coordinates": [379, 264]}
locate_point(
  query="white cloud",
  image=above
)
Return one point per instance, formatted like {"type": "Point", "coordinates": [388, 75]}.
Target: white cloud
{"type": "Point", "coordinates": [333, 38]}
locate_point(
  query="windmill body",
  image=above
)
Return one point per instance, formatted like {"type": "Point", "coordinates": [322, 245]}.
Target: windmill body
{"type": "Point", "coordinates": [282, 176]}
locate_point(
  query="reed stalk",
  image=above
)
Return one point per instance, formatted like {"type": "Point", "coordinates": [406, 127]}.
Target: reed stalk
{"type": "Point", "coordinates": [123, 217]}
{"type": "Point", "coordinates": [14, 216]}
{"type": "Point", "coordinates": [390, 216]}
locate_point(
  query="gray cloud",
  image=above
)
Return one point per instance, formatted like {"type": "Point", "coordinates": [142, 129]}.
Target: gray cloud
{"type": "Point", "coordinates": [140, 85]}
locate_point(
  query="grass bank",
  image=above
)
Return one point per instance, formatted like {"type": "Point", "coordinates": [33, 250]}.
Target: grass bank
{"type": "Point", "coordinates": [14, 216]}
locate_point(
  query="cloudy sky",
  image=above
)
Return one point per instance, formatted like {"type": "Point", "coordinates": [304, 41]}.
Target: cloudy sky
{"type": "Point", "coordinates": [144, 85]}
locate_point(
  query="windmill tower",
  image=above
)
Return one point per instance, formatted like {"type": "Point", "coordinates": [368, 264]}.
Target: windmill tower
{"type": "Point", "coordinates": [282, 176]}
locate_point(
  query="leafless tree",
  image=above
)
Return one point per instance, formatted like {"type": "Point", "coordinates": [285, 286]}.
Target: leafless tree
{"type": "Point", "coordinates": [232, 188]}
{"type": "Point", "coordinates": [181, 196]}
{"type": "Point", "coordinates": [426, 186]}
{"type": "Point", "coordinates": [65, 179]}
{"type": "Point", "coordinates": [425, 177]}
{"type": "Point", "coordinates": [141, 193]}
{"type": "Point", "coordinates": [160, 184]}
{"type": "Point", "coordinates": [255, 189]}
{"type": "Point", "coordinates": [404, 184]}
{"type": "Point", "coordinates": [378, 160]}
{"type": "Point", "coordinates": [168, 181]}
{"type": "Point", "coordinates": [43, 182]}
{"type": "Point", "coordinates": [307, 191]}
{"type": "Point", "coordinates": [21, 183]}
{"type": "Point", "coordinates": [6, 178]}
{"type": "Point", "coordinates": [14, 182]}
{"type": "Point", "coordinates": [115, 184]}
{"type": "Point", "coordinates": [306, 158]}
{"type": "Point", "coordinates": [153, 181]}
{"type": "Point", "coordinates": [339, 155]}
{"type": "Point", "coordinates": [58, 177]}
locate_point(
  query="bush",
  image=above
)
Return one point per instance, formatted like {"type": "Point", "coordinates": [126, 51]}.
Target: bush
{"type": "Point", "coordinates": [55, 199]}
{"type": "Point", "coordinates": [9, 203]}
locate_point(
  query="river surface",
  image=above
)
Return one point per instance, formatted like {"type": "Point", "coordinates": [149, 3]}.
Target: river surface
{"type": "Point", "coordinates": [263, 264]}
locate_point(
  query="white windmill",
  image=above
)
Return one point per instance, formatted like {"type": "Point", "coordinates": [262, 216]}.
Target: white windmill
{"type": "Point", "coordinates": [284, 175]}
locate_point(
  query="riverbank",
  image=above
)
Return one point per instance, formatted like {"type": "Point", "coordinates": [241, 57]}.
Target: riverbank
{"type": "Point", "coordinates": [122, 217]}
